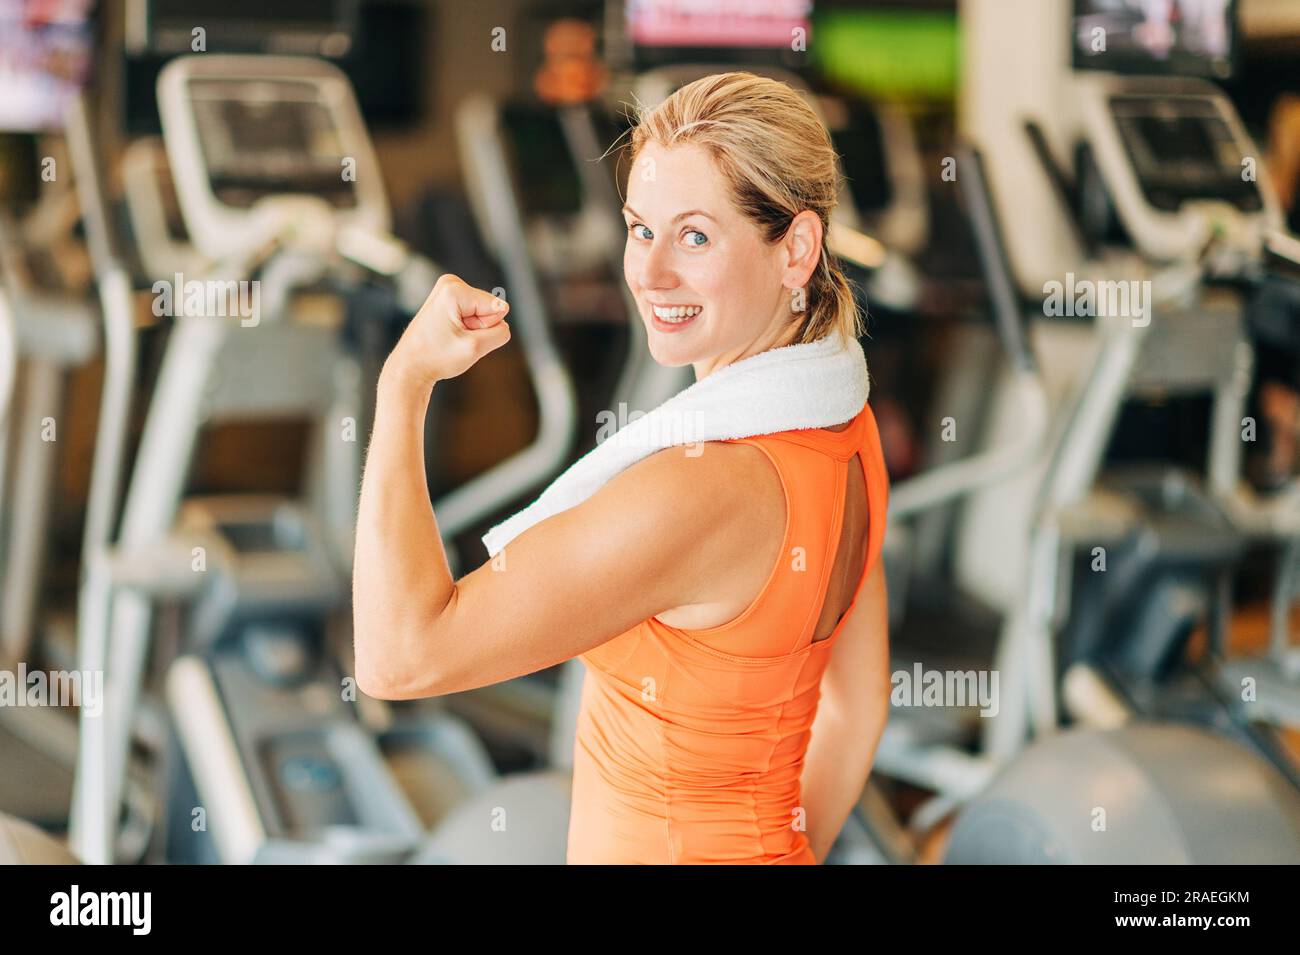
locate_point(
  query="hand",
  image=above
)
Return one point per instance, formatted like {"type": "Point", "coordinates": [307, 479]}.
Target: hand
{"type": "Point", "coordinates": [455, 327]}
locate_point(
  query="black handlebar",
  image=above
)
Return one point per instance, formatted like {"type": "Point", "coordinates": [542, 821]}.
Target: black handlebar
{"type": "Point", "coordinates": [977, 198]}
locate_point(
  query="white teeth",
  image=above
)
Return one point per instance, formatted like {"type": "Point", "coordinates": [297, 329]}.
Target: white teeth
{"type": "Point", "coordinates": [678, 313]}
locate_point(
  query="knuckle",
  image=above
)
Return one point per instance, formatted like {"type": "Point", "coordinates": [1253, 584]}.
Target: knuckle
{"type": "Point", "coordinates": [446, 281]}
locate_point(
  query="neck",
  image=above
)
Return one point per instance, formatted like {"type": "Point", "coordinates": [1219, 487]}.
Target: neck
{"type": "Point", "coordinates": [780, 331]}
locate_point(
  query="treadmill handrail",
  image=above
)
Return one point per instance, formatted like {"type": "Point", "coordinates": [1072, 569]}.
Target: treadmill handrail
{"type": "Point", "coordinates": [976, 192]}
{"type": "Point", "coordinates": [120, 347]}
{"type": "Point", "coordinates": [940, 485]}
{"type": "Point", "coordinates": [8, 371]}
{"type": "Point", "coordinates": [484, 159]}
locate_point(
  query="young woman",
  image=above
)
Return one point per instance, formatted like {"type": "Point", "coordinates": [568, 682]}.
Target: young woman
{"type": "Point", "coordinates": [729, 605]}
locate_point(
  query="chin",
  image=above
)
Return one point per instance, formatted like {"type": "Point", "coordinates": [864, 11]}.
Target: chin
{"type": "Point", "coordinates": [671, 354]}
{"type": "Point", "coordinates": [671, 350]}
{"type": "Point", "coordinates": [671, 358]}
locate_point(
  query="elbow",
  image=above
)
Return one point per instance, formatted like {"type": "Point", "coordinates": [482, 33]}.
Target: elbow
{"type": "Point", "coordinates": [373, 683]}
{"type": "Point", "coordinates": [374, 679]}
{"type": "Point", "coordinates": [394, 683]}
{"type": "Point", "coordinates": [400, 654]}
{"type": "Point", "coordinates": [373, 687]}
{"type": "Point", "coordinates": [391, 671]}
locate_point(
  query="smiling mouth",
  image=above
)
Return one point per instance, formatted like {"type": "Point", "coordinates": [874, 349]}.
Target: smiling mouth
{"type": "Point", "coordinates": [677, 314]}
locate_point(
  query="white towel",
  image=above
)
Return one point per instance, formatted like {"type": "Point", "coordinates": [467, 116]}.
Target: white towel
{"type": "Point", "coordinates": [817, 385]}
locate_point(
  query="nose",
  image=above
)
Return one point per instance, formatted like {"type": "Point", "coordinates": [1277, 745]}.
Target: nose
{"type": "Point", "coordinates": [651, 266]}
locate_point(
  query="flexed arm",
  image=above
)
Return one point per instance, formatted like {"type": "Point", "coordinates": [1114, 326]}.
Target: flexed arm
{"type": "Point", "coordinates": [565, 586]}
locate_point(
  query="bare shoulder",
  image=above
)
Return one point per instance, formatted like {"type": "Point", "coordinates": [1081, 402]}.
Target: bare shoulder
{"type": "Point", "coordinates": [720, 508]}
{"type": "Point", "coordinates": [709, 481]}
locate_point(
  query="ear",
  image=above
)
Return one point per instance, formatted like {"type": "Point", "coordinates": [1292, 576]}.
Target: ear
{"type": "Point", "coordinates": [802, 245]}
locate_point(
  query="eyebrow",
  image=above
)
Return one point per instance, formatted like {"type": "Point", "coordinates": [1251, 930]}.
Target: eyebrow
{"type": "Point", "coordinates": [676, 218]}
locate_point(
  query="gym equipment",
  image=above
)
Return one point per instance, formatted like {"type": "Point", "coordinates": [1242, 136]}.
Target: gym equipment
{"type": "Point", "coordinates": [535, 806]}
{"type": "Point", "coordinates": [1155, 794]}
{"type": "Point", "coordinates": [22, 843]}
{"type": "Point", "coordinates": [326, 29]}
{"type": "Point", "coordinates": [918, 744]}
{"type": "Point", "coordinates": [47, 329]}
{"type": "Point", "coordinates": [1149, 778]}
{"type": "Point", "coordinates": [1168, 152]}
{"type": "Point", "coordinates": [270, 761]}
{"type": "Point", "coordinates": [53, 333]}
{"type": "Point", "coordinates": [496, 206]}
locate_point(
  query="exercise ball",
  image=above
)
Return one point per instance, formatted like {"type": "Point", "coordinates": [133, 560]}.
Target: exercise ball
{"type": "Point", "coordinates": [1146, 793]}
{"type": "Point", "coordinates": [21, 843]}
{"type": "Point", "coordinates": [521, 820]}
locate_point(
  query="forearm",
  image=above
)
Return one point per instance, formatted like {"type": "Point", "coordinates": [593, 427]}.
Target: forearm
{"type": "Point", "coordinates": [401, 578]}
{"type": "Point", "coordinates": [835, 770]}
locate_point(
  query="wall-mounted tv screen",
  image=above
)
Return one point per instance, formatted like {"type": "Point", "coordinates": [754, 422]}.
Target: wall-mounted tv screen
{"type": "Point", "coordinates": [1173, 37]}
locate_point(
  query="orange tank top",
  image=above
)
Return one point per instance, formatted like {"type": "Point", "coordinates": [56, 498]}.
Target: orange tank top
{"type": "Point", "coordinates": [690, 743]}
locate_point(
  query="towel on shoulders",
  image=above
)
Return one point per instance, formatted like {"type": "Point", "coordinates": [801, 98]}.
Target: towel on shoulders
{"type": "Point", "coordinates": [814, 385]}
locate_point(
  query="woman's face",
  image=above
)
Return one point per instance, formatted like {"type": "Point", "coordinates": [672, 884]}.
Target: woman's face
{"type": "Point", "coordinates": [709, 289]}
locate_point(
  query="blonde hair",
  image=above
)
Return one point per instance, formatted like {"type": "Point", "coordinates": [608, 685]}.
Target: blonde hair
{"type": "Point", "coordinates": [777, 160]}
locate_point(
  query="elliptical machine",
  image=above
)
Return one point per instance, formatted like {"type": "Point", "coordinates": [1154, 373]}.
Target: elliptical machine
{"type": "Point", "coordinates": [1161, 768]}
{"type": "Point", "coordinates": [48, 329]}
{"type": "Point", "coordinates": [270, 759]}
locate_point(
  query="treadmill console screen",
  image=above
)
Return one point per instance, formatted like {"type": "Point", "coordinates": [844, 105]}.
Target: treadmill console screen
{"type": "Point", "coordinates": [283, 26]}
{"type": "Point", "coordinates": [1182, 149]}
{"type": "Point", "coordinates": [262, 138]}
{"type": "Point", "coordinates": [536, 136]}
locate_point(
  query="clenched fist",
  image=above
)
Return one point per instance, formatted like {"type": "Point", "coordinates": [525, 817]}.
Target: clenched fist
{"type": "Point", "coordinates": [455, 327]}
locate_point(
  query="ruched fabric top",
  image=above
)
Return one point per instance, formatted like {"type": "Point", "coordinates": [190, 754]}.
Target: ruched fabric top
{"type": "Point", "coordinates": [690, 743]}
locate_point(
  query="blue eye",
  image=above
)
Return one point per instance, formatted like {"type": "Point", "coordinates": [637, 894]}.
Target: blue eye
{"type": "Point", "coordinates": [697, 244]}
{"type": "Point", "coordinates": [636, 225]}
